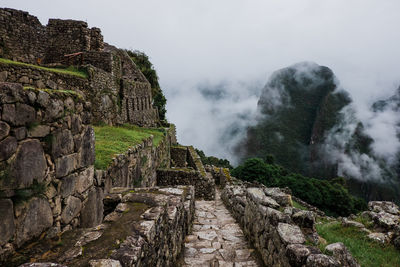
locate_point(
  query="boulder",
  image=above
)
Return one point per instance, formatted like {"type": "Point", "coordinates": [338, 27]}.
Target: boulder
{"type": "Point", "coordinates": [297, 254]}
{"type": "Point", "coordinates": [19, 133]}
{"type": "Point", "coordinates": [7, 226]}
{"type": "Point", "coordinates": [4, 130]}
{"type": "Point", "coordinates": [105, 263]}
{"type": "Point", "coordinates": [29, 163]}
{"type": "Point", "coordinates": [54, 110]}
{"type": "Point", "coordinates": [350, 223]}
{"type": "Point", "coordinates": [37, 218]}
{"type": "Point", "coordinates": [42, 264]}
{"type": "Point", "coordinates": [304, 219]}
{"type": "Point", "coordinates": [7, 147]}
{"type": "Point", "coordinates": [8, 113]}
{"type": "Point", "coordinates": [92, 212]}
{"type": "Point", "coordinates": [378, 237]}
{"type": "Point", "coordinates": [321, 260]}
{"type": "Point", "coordinates": [43, 99]}
{"type": "Point", "coordinates": [386, 206]}
{"type": "Point", "coordinates": [282, 198]}
{"type": "Point", "coordinates": [290, 234]}
{"type": "Point", "coordinates": [342, 254]}
{"type": "Point", "coordinates": [71, 210]}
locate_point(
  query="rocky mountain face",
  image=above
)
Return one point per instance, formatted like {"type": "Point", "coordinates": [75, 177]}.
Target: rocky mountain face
{"type": "Point", "coordinates": [310, 127]}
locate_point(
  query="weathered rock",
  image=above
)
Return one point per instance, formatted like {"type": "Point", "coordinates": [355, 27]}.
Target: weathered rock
{"type": "Point", "coordinates": [84, 180]}
{"type": "Point", "coordinates": [88, 237]}
{"type": "Point", "coordinates": [396, 242]}
{"type": "Point", "coordinates": [321, 260]}
{"type": "Point", "coordinates": [280, 197]}
{"type": "Point", "coordinates": [259, 196]}
{"type": "Point", "coordinates": [29, 164]}
{"type": "Point", "coordinates": [350, 223]}
{"type": "Point", "coordinates": [7, 147]}
{"type": "Point", "coordinates": [386, 220]}
{"type": "Point", "coordinates": [342, 254]}
{"type": "Point", "coordinates": [7, 226]}
{"type": "Point", "coordinates": [25, 114]}
{"type": "Point", "coordinates": [37, 218]}
{"type": "Point", "coordinates": [290, 234]}
{"type": "Point", "coordinates": [76, 124]}
{"type": "Point", "coordinates": [43, 98]}
{"type": "Point", "coordinates": [65, 165]}
{"type": "Point", "coordinates": [386, 206]}
{"type": "Point", "coordinates": [8, 113]}
{"type": "Point", "coordinates": [71, 210]}
{"type": "Point", "coordinates": [92, 212]}
{"type": "Point", "coordinates": [4, 130]}
{"type": "Point", "coordinates": [54, 110]}
{"type": "Point", "coordinates": [68, 184]}
{"type": "Point", "coordinates": [105, 263]}
{"type": "Point", "coordinates": [42, 264]}
{"type": "Point", "coordinates": [297, 254]}
{"type": "Point", "coordinates": [19, 133]}
{"type": "Point", "coordinates": [62, 143]}
{"type": "Point", "coordinates": [87, 153]}
{"type": "Point", "coordinates": [3, 76]}
{"type": "Point", "coordinates": [304, 219]}
{"type": "Point", "coordinates": [39, 131]}
{"type": "Point", "coordinates": [378, 237]}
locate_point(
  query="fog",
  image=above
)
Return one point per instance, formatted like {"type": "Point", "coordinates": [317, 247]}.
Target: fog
{"type": "Point", "coordinates": [232, 46]}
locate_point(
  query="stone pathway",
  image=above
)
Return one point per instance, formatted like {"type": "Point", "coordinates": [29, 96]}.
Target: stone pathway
{"type": "Point", "coordinates": [216, 239]}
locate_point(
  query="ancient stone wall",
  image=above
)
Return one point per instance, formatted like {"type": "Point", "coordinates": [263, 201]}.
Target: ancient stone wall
{"type": "Point", "coordinates": [22, 36]}
{"type": "Point", "coordinates": [277, 230]}
{"type": "Point", "coordinates": [179, 155]}
{"type": "Point", "coordinates": [46, 164]}
{"type": "Point", "coordinates": [137, 167]}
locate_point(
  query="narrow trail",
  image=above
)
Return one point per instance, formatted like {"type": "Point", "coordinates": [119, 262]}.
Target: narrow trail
{"type": "Point", "coordinates": [216, 239]}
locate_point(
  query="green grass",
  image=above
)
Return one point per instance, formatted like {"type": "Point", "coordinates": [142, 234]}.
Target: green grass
{"type": "Point", "coordinates": [298, 205]}
{"type": "Point", "coordinates": [111, 140]}
{"type": "Point", "coordinates": [70, 70]}
{"type": "Point", "coordinates": [367, 252]}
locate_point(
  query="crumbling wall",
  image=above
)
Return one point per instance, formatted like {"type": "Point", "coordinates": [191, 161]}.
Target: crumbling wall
{"type": "Point", "coordinates": [46, 165]}
{"type": "Point", "coordinates": [277, 230]}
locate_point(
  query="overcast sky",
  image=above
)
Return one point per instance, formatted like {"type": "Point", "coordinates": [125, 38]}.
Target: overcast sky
{"type": "Point", "coordinates": [242, 42]}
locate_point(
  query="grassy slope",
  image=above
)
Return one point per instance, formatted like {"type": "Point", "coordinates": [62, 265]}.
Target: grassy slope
{"type": "Point", "coordinates": [112, 140]}
{"type": "Point", "coordinates": [70, 70]}
{"type": "Point", "coordinates": [367, 252]}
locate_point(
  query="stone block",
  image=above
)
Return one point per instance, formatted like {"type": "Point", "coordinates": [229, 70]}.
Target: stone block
{"type": "Point", "coordinates": [7, 147]}
{"type": "Point", "coordinates": [105, 263]}
{"type": "Point", "coordinates": [4, 130]}
{"type": "Point", "coordinates": [87, 153]}
{"type": "Point", "coordinates": [39, 131]}
{"type": "Point", "coordinates": [321, 260]}
{"type": "Point", "coordinates": [290, 234]}
{"type": "Point", "coordinates": [7, 226]}
{"type": "Point", "coordinates": [65, 165]}
{"type": "Point", "coordinates": [19, 133]}
{"type": "Point", "coordinates": [342, 254]}
{"type": "Point", "coordinates": [25, 114]}
{"type": "Point", "coordinates": [37, 218]}
{"type": "Point", "coordinates": [84, 180]}
{"type": "Point", "coordinates": [54, 110]}
{"type": "Point", "coordinates": [258, 196]}
{"type": "Point", "coordinates": [92, 212]}
{"type": "Point", "coordinates": [62, 143]}
{"type": "Point", "coordinates": [43, 98]}
{"type": "Point", "coordinates": [67, 186]}
{"type": "Point", "coordinates": [29, 163]}
{"type": "Point", "coordinates": [8, 113]}
{"type": "Point", "coordinates": [71, 210]}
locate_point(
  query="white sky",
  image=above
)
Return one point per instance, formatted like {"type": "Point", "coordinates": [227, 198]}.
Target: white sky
{"type": "Point", "coordinates": [191, 42]}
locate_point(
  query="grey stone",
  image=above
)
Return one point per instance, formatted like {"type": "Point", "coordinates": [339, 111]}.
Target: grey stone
{"type": "Point", "coordinates": [279, 196]}
{"type": "Point", "coordinates": [7, 147]}
{"type": "Point", "coordinates": [76, 124]}
{"type": "Point", "coordinates": [25, 114]}
{"type": "Point", "coordinates": [32, 97]}
{"type": "Point", "coordinates": [71, 210]}
{"type": "Point", "coordinates": [3, 76]}
{"type": "Point", "coordinates": [290, 234]}
{"type": "Point", "coordinates": [68, 183]}
{"type": "Point", "coordinates": [92, 212]}
{"type": "Point", "coordinates": [297, 254]}
{"type": "Point", "coordinates": [84, 180]}
{"type": "Point", "coordinates": [378, 237]}
{"type": "Point", "coordinates": [350, 223]}
{"type": "Point", "coordinates": [65, 165]}
{"type": "Point", "coordinates": [87, 154]}
{"type": "Point", "coordinates": [88, 237]}
{"type": "Point", "coordinates": [62, 143]}
{"type": "Point", "coordinates": [7, 226]}
{"type": "Point", "coordinates": [386, 206]}
{"type": "Point", "coordinates": [51, 84]}
{"type": "Point", "coordinates": [19, 133]}
{"type": "Point", "coordinates": [342, 254]}
{"type": "Point", "coordinates": [30, 163]}
{"type": "Point", "coordinates": [122, 207]}
{"type": "Point", "coordinates": [386, 220]}
{"type": "Point", "coordinates": [304, 219]}
{"type": "Point", "coordinates": [39, 131]}
{"type": "Point", "coordinates": [105, 263]}
{"type": "Point", "coordinates": [71, 254]}
{"type": "Point", "coordinates": [321, 260]}
{"type": "Point", "coordinates": [69, 104]}
{"type": "Point", "coordinates": [4, 130]}
{"type": "Point", "coordinates": [8, 113]}
{"type": "Point", "coordinates": [42, 264]}
{"type": "Point", "coordinates": [258, 196]}
{"type": "Point", "coordinates": [37, 218]}
{"type": "Point", "coordinates": [24, 80]}
{"type": "Point", "coordinates": [54, 110]}
{"type": "Point", "coordinates": [40, 84]}
{"type": "Point", "coordinates": [43, 98]}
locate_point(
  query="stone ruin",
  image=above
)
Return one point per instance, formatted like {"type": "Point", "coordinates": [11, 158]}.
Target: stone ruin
{"type": "Point", "coordinates": [119, 90]}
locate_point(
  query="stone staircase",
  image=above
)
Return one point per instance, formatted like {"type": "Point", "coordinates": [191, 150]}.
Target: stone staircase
{"type": "Point", "coordinates": [216, 238]}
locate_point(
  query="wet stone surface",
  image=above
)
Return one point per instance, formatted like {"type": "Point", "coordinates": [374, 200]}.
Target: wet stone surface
{"type": "Point", "coordinates": [216, 238]}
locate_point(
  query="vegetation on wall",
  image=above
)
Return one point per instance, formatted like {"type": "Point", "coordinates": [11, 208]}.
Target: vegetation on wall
{"type": "Point", "coordinates": [331, 196]}
{"type": "Point", "coordinates": [224, 163]}
{"type": "Point", "coordinates": [111, 140]}
{"type": "Point", "coordinates": [146, 67]}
